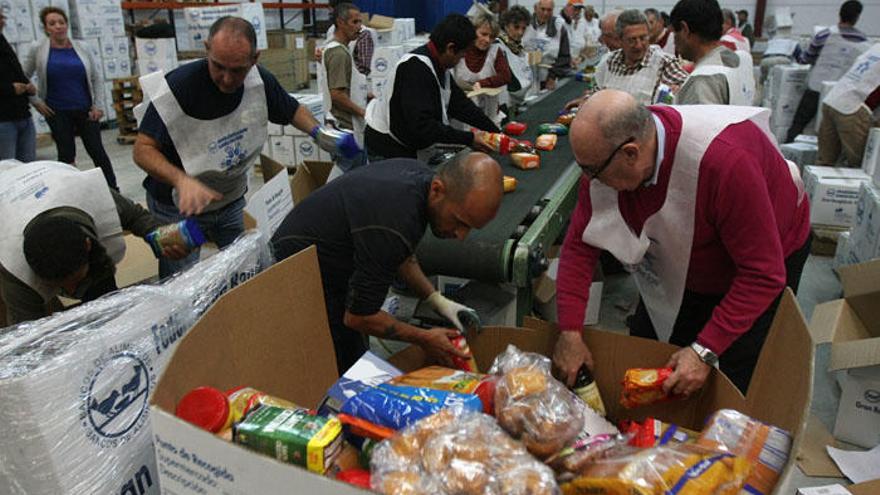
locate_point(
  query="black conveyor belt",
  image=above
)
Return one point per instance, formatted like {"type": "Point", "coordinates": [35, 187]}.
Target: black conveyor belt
{"type": "Point", "coordinates": [479, 255]}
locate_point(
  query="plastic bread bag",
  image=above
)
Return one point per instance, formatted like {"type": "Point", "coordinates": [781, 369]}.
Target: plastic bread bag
{"type": "Point", "coordinates": [766, 447]}
{"type": "Point", "coordinates": [461, 452]}
{"type": "Point", "coordinates": [679, 470]}
{"type": "Point", "coordinates": [398, 406]}
{"type": "Point", "coordinates": [532, 405]}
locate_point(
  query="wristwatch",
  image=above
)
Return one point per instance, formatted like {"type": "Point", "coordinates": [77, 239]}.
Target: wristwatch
{"type": "Point", "coordinates": [706, 355]}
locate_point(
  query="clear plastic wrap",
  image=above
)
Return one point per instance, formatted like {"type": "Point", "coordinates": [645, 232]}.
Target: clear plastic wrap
{"type": "Point", "coordinates": [766, 447]}
{"type": "Point", "coordinates": [457, 452]}
{"type": "Point", "coordinates": [532, 405]}
{"type": "Point", "coordinates": [76, 384]}
{"type": "Point", "coordinates": [679, 469]}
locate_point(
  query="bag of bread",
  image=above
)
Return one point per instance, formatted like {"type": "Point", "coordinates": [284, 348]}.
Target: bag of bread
{"type": "Point", "coordinates": [766, 447]}
{"type": "Point", "coordinates": [533, 406]}
{"type": "Point", "coordinates": [459, 452]}
{"type": "Point", "coordinates": [679, 469]}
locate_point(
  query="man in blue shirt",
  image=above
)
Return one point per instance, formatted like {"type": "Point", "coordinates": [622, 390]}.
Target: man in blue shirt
{"type": "Point", "coordinates": [204, 127]}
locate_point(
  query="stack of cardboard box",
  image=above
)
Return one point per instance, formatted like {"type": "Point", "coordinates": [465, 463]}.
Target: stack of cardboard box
{"type": "Point", "coordinates": [782, 93]}
{"type": "Point", "coordinates": [290, 146]}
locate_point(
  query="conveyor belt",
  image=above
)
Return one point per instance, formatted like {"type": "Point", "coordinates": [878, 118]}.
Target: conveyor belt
{"type": "Point", "coordinates": [480, 256]}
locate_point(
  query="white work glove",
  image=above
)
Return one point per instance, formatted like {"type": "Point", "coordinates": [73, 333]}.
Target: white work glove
{"type": "Point", "coordinates": [453, 312]}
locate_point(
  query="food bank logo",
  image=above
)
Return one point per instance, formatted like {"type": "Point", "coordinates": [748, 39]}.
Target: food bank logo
{"type": "Point", "coordinates": [114, 396]}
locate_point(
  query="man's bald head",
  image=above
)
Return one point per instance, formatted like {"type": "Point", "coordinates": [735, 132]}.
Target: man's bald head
{"type": "Point", "coordinates": [465, 194]}
{"type": "Point", "coordinates": [612, 124]}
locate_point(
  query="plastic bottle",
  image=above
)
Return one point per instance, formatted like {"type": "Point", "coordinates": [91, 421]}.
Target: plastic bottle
{"type": "Point", "coordinates": [585, 388]}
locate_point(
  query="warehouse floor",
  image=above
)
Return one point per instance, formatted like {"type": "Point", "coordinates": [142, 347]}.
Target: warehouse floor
{"type": "Point", "coordinates": [818, 284]}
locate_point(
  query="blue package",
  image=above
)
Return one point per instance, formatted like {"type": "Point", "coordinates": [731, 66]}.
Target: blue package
{"type": "Point", "coordinates": [368, 371]}
{"type": "Point", "coordinates": [398, 406]}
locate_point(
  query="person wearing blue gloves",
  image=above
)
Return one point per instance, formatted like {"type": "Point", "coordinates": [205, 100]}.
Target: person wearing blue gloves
{"type": "Point", "coordinates": [202, 127]}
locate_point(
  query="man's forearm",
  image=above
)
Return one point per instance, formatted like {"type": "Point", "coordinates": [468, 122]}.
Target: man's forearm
{"type": "Point", "coordinates": [384, 326]}
{"type": "Point", "coordinates": [343, 101]}
{"type": "Point", "coordinates": [411, 273]}
{"type": "Point", "coordinates": [304, 120]}
{"type": "Point", "coordinates": [148, 157]}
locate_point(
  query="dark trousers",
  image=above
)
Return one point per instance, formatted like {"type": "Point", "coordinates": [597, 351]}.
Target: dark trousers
{"type": "Point", "coordinates": [349, 344]}
{"type": "Point", "coordinates": [739, 360]}
{"type": "Point", "coordinates": [805, 112]}
{"type": "Point", "coordinates": [65, 124]}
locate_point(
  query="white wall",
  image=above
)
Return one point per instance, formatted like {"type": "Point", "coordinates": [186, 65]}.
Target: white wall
{"type": "Point", "coordinates": [806, 13]}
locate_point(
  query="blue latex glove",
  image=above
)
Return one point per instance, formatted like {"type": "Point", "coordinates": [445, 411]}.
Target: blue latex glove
{"type": "Point", "coordinates": [336, 141]}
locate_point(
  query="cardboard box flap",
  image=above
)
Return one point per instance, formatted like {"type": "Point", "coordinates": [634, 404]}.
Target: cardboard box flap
{"type": "Point", "coordinates": [855, 354]}
{"type": "Point", "coordinates": [308, 177]}
{"type": "Point", "coordinates": [861, 288]}
{"type": "Point", "coordinates": [836, 321]}
{"type": "Point", "coordinates": [254, 319]}
{"type": "Point", "coordinates": [381, 22]}
{"type": "Point", "coordinates": [782, 385]}
{"type": "Point", "coordinates": [270, 168]}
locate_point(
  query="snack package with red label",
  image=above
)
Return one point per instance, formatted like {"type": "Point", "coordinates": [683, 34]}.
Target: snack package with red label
{"type": "Point", "coordinates": [498, 142]}
{"type": "Point", "coordinates": [464, 364]}
{"type": "Point", "coordinates": [644, 386]}
{"type": "Point", "coordinates": [515, 128]}
{"type": "Point", "coordinates": [654, 433]}
{"type": "Point", "coordinates": [566, 118]}
{"type": "Point", "coordinates": [525, 161]}
{"type": "Point", "coordinates": [546, 142]}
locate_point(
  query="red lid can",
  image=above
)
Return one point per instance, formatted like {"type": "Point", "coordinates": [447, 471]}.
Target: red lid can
{"type": "Point", "coordinates": [205, 407]}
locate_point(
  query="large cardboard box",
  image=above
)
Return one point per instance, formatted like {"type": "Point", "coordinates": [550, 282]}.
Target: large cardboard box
{"type": "Point", "coordinates": [833, 194]}
{"type": "Point", "coordinates": [872, 155]}
{"type": "Point", "coordinates": [852, 325]}
{"type": "Point", "coordinates": [272, 333]}
{"type": "Point", "coordinates": [802, 154]}
{"type": "Point", "coordinates": [864, 243]}
{"type": "Point", "coordinates": [280, 64]}
{"type": "Point", "coordinates": [155, 54]}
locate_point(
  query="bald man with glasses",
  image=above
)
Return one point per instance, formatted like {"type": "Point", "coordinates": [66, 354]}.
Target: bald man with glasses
{"type": "Point", "coordinates": [700, 206]}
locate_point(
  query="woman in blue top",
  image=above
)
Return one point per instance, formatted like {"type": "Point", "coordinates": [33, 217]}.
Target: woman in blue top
{"type": "Point", "coordinates": [71, 92]}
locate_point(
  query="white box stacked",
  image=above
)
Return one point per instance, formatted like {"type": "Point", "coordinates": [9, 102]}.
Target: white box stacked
{"type": "Point", "coordinates": [872, 155]}
{"type": "Point", "coordinates": [198, 21]}
{"type": "Point", "coordinates": [19, 21]}
{"type": "Point", "coordinates": [802, 154]}
{"type": "Point", "coordinates": [864, 239]}
{"type": "Point", "coordinates": [384, 60]}
{"type": "Point", "coordinates": [403, 29]}
{"type": "Point", "coordinates": [116, 57]}
{"type": "Point", "coordinates": [96, 18]}
{"type": "Point", "coordinates": [833, 194]}
{"type": "Point", "coordinates": [155, 54]}
{"type": "Point", "coordinates": [782, 94]}
{"type": "Point", "coordinates": [110, 110]}
{"type": "Point", "coordinates": [315, 105]}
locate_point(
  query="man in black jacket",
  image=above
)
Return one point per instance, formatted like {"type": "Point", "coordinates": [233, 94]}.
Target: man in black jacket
{"type": "Point", "coordinates": [17, 135]}
{"type": "Point", "coordinates": [421, 98]}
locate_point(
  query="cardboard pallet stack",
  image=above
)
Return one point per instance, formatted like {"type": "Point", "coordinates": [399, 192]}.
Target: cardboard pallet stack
{"type": "Point", "coordinates": [290, 146]}
{"type": "Point", "coordinates": [782, 93]}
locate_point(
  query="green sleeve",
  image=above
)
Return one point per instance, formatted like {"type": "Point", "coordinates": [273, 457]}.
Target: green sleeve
{"type": "Point", "coordinates": [133, 216]}
{"type": "Point", "coordinates": [22, 302]}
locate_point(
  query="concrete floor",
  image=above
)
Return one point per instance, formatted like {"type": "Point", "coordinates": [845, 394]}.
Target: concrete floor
{"type": "Point", "coordinates": [818, 284]}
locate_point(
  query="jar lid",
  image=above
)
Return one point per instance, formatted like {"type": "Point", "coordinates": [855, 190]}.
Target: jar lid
{"type": "Point", "coordinates": [205, 407]}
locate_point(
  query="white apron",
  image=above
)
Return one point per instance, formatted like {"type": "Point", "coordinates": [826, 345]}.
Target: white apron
{"type": "Point", "coordinates": [640, 85]}
{"type": "Point", "coordinates": [836, 57]}
{"type": "Point", "coordinates": [738, 40]}
{"type": "Point", "coordinates": [577, 35]}
{"type": "Point", "coordinates": [358, 89]}
{"type": "Point", "coordinates": [488, 104]}
{"type": "Point", "coordinates": [519, 67]}
{"type": "Point", "coordinates": [740, 80]}
{"type": "Point", "coordinates": [379, 109]}
{"type": "Point", "coordinates": [849, 94]}
{"type": "Point", "coordinates": [29, 189]}
{"type": "Point", "coordinates": [218, 152]}
{"type": "Point", "coordinates": [537, 39]}
{"type": "Point", "coordinates": [659, 257]}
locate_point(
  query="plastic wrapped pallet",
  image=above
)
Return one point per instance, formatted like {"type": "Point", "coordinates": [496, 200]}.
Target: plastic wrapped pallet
{"type": "Point", "coordinates": [81, 379]}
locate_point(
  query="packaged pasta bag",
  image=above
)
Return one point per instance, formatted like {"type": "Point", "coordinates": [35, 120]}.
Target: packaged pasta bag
{"type": "Point", "coordinates": [533, 406]}
{"type": "Point", "coordinates": [459, 452]}
{"type": "Point", "coordinates": [766, 447]}
{"type": "Point", "coordinates": [679, 469]}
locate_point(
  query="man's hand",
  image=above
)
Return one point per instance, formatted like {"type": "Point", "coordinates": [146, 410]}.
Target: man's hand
{"type": "Point", "coordinates": [95, 114]}
{"type": "Point", "coordinates": [689, 373]}
{"type": "Point", "coordinates": [20, 88]}
{"type": "Point", "coordinates": [175, 252]}
{"type": "Point", "coordinates": [569, 355]}
{"type": "Point", "coordinates": [436, 344]}
{"type": "Point", "coordinates": [550, 84]}
{"type": "Point", "coordinates": [480, 144]}
{"type": "Point", "coordinates": [450, 309]}
{"type": "Point", "coordinates": [31, 89]}
{"type": "Point", "coordinates": [44, 109]}
{"type": "Point", "coordinates": [194, 196]}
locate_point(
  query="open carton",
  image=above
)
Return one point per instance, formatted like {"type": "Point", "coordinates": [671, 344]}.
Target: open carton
{"type": "Point", "coordinates": [852, 325]}
{"type": "Point", "coordinates": [271, 333]}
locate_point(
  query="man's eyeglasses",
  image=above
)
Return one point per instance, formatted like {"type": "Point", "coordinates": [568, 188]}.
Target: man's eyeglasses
{"type": "Point", "coordinates": [593, 173]}
{"type": "Point", "coordinates": [635, 40]}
